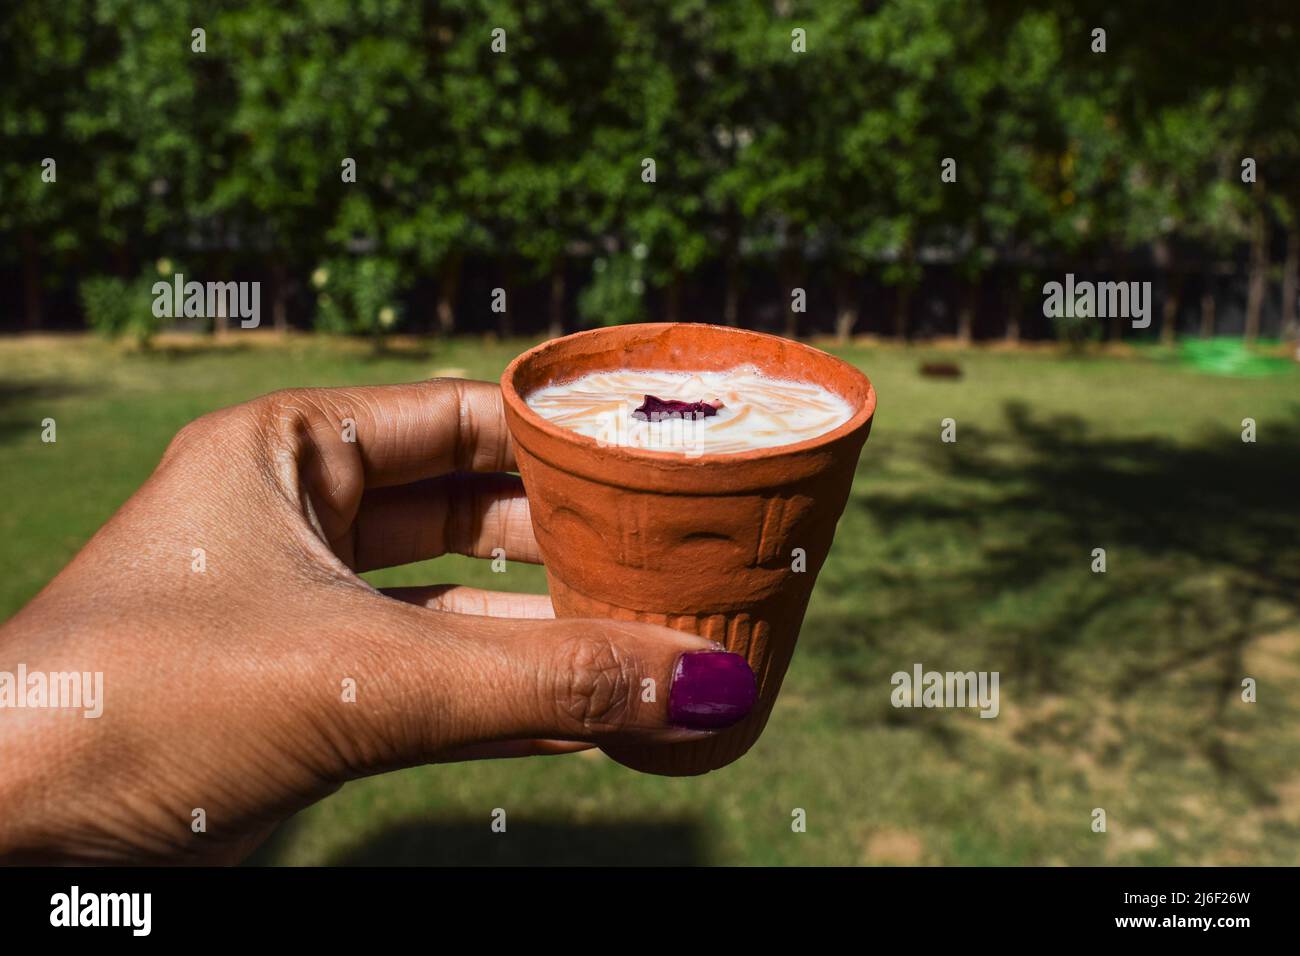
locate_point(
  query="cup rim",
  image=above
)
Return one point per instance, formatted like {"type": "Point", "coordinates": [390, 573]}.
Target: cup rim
{"type": "Point", "coordinates": [855, 422]}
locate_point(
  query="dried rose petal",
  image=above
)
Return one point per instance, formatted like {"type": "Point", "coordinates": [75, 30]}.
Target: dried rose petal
{"type": "Point", "coordinates": [653, 409]}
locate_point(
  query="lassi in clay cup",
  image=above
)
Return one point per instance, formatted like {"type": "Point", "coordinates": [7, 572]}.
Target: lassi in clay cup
{"type": "Point", "coordinates": [690, 476]}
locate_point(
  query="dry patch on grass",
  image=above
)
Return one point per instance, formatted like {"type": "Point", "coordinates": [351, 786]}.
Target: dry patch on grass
{"type": "Point", "coordinates": [1274, 657]}
{"type": "Point", "coordinates": [1181, 765]}
{"type": "Point", "coordinates": [1287, 809]}
{"type": "Point", "coordinates": [889, 847]}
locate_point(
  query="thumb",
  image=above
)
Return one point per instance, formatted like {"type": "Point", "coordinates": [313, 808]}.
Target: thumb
{"type": "Point", "coordinates": [451, 680]}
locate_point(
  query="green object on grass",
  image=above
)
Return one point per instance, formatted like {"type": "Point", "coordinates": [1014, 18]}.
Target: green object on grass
{"type": "Point", "coordinates": [1231, 357]}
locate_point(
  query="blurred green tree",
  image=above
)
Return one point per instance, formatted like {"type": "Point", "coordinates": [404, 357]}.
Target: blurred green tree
{"type": "Point", "coordinates": [46, 200]}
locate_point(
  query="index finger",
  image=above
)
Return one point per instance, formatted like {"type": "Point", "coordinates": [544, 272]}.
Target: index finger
{"type": "Point", "coordinates": [406, 433]}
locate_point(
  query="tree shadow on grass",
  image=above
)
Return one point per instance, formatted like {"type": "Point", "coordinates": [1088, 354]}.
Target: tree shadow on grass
{"type": "Point", "coordinates": [20, 411]}
{"type": "Point", "coordinates": [990, 558]}
{"type": "Point", "coordinates": [181, 353]}
{"type": "Point", "coordinates": [423, 351]}
{"type": "Point", "coordinates": [525, 843]}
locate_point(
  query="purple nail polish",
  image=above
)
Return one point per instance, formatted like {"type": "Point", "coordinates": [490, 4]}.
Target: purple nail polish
{"type": "Point", "coordinates": [710, 689]}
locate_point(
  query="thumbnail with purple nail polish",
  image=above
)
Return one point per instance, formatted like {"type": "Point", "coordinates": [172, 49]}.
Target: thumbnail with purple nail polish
{"type": "Point", "coordinates": [711, 689]}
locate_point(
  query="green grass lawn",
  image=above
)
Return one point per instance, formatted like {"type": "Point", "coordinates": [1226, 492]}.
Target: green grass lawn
{"type": "Point", "coordinates": [1119, 690]}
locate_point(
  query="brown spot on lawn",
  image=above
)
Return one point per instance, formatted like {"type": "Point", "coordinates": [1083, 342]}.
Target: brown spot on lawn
{"type": "Point", "coordinates": [1124, 840]}
{"type": "Point", "coordinates": [1273, 657]}
{"type": "Point", "coordinates": [889, 847]}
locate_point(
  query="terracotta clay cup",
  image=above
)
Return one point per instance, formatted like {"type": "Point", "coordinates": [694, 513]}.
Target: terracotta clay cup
{"type": "Point", "coordinates": [726, 546]}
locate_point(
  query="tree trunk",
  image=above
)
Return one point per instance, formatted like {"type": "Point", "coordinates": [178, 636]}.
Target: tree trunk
{"type": "Point", "coordinates": [505, 324]}
{"type": "Point", "coordinates": [220, 321]}
{"type": "Point", "coordinates": [731, 299]}
{"type": "Point", "coordinates": [966, 312]}
{"type": "Point", "coordinates": [1114, 323]}
{"type": "Point", "coordinates": [846, 319]}
{"type": "Point", "coordinates": [673, 297]}
{"type": "Point", "coordinates": [1207, 308]}
{"type": "Point", "coordinates": [1015, 302]}
{"type": "Point", "coordinates": [902, 311]}
{"type": "Point", "coordinates": [33, 301]}
{"type": "Point", "coordinates": [507, 276]}
{"type": "Point", "coordinates": [1290, 281]}
{"type": "Point", "coordinates": [448, 292]}
{"type": "Point", "coordinates": [790, 279]}
{"type": "Point", "coordinates": [731, 260]}
{"type": "Point", "coordinates": [846, 308]}
{"type": "Point", "coordinates": [556, 328]}
{"type": "Point", "coordinates": [280, 298]}
{"type": "Point", "coordinates": [1169, 308]}
{"type": "Point", "coordinates": [1258, 275]}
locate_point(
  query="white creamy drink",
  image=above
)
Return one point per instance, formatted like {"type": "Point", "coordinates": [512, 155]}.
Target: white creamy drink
{"type": "Point", "coordinates": [692, 413]}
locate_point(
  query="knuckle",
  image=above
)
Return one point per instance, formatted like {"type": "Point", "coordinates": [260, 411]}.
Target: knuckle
{"type": "Point", "coordinates": [284, 402]}
{"type": "Point", "coordinates": [245, 425]}
{"type": "Point", "coordinates": [595, 685]}
{"type": "Point", "coordinates": [290, 414]}
{"type": "Point", "coordinates": [189, 434]}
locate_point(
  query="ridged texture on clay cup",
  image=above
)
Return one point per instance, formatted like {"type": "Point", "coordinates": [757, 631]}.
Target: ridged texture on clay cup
{"type": "Point", "coordinates": [704, 544]}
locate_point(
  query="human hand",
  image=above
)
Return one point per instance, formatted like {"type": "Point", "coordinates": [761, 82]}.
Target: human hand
{"type": "Point", "coordinates": [226, 689]}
